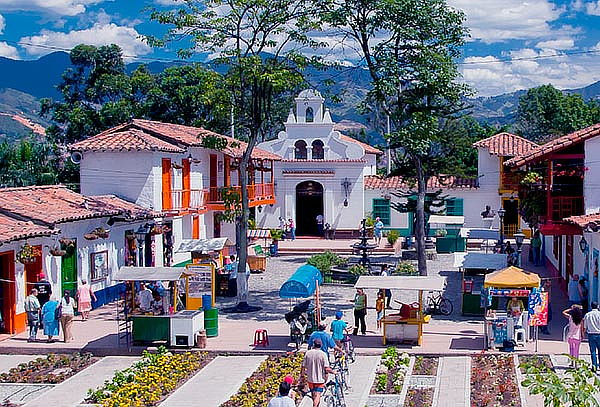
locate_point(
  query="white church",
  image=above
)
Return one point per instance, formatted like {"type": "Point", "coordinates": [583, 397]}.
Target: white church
{"type": "Point", "coordinates": [321, 171]}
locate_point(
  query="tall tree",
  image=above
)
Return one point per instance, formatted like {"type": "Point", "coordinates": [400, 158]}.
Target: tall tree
{"type": "Point", "coordinates": [260, 42]}
{"type": "Point", "coordinates": [409, 48]}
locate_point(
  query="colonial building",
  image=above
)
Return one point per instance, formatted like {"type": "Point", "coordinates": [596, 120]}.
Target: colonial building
{"type": "Point", "coordinates": [68, 237]}
{"type": "Point", "coordinates": [321, 172]}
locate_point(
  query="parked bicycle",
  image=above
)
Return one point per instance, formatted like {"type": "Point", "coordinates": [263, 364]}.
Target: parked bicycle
{"type": "Point", "coordinates": [438, 304]}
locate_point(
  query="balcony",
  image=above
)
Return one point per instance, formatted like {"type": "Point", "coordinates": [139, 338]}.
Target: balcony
{"type": "Point", "coordinates": [186, 200]}
{"type": "Point", "coordinates": [565, 206]}
{"type": "Point", "coordinates": [258, 194]}
{"type": "Point", "coordinates": [509, 181]}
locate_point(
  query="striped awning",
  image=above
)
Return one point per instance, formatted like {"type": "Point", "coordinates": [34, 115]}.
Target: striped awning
{"type": "Point", "coordinates": [259, 233]}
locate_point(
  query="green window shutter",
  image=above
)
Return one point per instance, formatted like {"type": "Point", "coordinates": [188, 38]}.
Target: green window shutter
{"type": "Point", "coordinates": [454, 207]}
{"type": "Point", "coordinates": [381, 209]}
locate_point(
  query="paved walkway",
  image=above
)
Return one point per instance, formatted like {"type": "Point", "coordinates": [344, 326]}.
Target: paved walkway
{"type": "Point", "coordinates": [216, 383]}
{"type": "Point", "coordinates": [73, 390]}
{"type": "Point", "coordinates": [455, 382]}
{"type": "Point", "coordinates": [362, 374]}
{"type": "Point", "coordinates": [7, 362]}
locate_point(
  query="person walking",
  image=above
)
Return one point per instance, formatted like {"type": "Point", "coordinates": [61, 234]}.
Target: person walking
{"type": "Point", "coordinates": [32, 308]}
{"type": "Point", "coordinates": [292, 227]}
{"type": "Point", "coordinates": [388, 293]}
{"type": "Point", "coordinates": [325, 338]}
{"type": "Point", "coordinates": [283, 399]}
{"type": "Point", "coordinates": [591, 323]}
{"type": "Point", "coordinates": [378, 230]}
{"type": "Point", "coordinates": [67, 313]}
{"type": "Point", "coordinates": [315, 368]}
{"type": "Point", "coordinates": [379, 306]}
{"type": "Point", "coordinates": [232, 267]}
{"type": "Point", "coordinates": [573, 290]}
{"type": "Point", "coordinates": [360, 311]}
{"type": "Point", "coordinates": [536, 248]}
{"type": "Point", "coordinates": [338, 328]}
{"type": "Point", "coordinates": [85, 295]}
{"type": "Point", "coordinates": [50, 318]}
{"type": "Point", "coordinates": [575, 333]}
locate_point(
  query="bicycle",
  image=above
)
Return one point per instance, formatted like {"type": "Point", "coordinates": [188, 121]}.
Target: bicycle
{"type": "Point", "coordinates": [438, 304]}
{"type": "Point", "coordinates": [334, 395]}
{"type": "Point", "coordinates": [341, 365]}
{"type": "Point", "coordinates": [349, 348]}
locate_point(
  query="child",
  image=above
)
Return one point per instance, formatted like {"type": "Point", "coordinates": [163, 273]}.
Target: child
{"type": "Point", "coordinates": [379, 305]}
{"type": "Point", "coordinates": [338, 327]}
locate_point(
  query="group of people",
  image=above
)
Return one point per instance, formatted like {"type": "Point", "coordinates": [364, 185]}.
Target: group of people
{"type": "Point", "coordinates": [580, 325]}
{"type": "Point", "coordinates": [288, 227]}
{"type": "Point", "coordinates": [44, 310]}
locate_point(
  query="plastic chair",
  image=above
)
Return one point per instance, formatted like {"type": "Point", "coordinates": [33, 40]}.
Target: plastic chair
{"type": "Point", "coordinates": [261, 337]}
{"type": "Point", "coordinates": [258, 250]}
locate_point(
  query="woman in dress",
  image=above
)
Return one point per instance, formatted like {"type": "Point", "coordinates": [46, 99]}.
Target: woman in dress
{"type": "Point", "coordinates": [575, 334]}
{"type": "Point", "coordinates": [49, 316]}
{"type": "Point", "coordinates": [84, 299]}
{"type": "Point", "coordinates": [67, 311]}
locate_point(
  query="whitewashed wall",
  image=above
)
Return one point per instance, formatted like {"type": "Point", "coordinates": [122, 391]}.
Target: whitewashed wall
{"type": "Point", "coordinates": [591, 181]}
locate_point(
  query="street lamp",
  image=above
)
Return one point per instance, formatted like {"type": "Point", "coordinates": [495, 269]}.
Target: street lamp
{"type": "Point", "coordinates": [140, 235]}
{"type": "Point", "coordinates": [519, 237]}
{"type": "Point", "coordinates": [501, 213]}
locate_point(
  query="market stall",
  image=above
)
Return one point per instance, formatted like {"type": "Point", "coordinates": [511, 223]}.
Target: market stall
{"type": "Point", "coordinates": [486, 238]}
{"type": "Point", "coordinates": [507, 323]}
{"type": "Point", "coordinates": [473, 267]}
{"type": "Point", "coordinates": [406, 326]}
{"type": "Point", "coordinates": [447, 233]}
{"type": "Point", "coordinates": [155, 299]}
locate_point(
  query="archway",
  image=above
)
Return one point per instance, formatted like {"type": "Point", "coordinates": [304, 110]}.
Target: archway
{"type": "Point", "coordinates": [309, 205]}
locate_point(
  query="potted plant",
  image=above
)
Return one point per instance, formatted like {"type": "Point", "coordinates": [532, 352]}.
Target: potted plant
{"type": "Point", "coordinates": [101, 232]}
{"type": "Point", "coordinates": [392, 237]}
{"type": "Point", "coordinates": [28, 254]}
{"type": "Point", "coordinates": [441, 233]}
{"type": "Point", "coordinates": [57, 251]}
{"type": "Point", "coordinates": [276, 236]}
{"type": "Point", "coordinates": [90, 236]}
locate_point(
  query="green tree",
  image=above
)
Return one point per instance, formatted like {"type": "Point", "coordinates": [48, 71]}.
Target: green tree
{"type": "Point", "coordinates": [259, 42]}
{"type": "Point", "coordinates": [409, 48]}
{"type": "Point", "coordinates": [545, 113]}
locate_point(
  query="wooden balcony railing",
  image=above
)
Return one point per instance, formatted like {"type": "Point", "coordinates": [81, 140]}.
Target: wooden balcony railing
{"type": "Point", "coordinates": [256, 192]}
{"type": "Point", "coordinates": [565, 206]}
{"type": "Point", "coordinates": [510, 181]}
{"type": "Point", "coordinates": [185, 199]}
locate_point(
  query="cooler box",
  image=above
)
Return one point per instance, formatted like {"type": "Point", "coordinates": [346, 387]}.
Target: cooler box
{"type": "Point", "coordinates": [184, 327]}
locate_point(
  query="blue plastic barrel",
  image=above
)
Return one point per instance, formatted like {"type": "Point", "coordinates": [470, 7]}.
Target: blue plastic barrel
{"type": "Point", "coordinates": [206, 302]}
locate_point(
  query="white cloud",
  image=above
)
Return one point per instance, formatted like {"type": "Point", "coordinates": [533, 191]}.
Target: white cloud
{"type": "Point", "coordinates": [495, 21]}
{"type": "Point", "coordinates": [59, 7]}
{"type": "Point", "coordinates": [560, 44]}
{"type": "Point", "coordinates": [593, 8]}
{"type": "Point", "coordinates": [8, 51]}
{"type": "Point", "coordinates": [100, 34]}
{"type": "Point", "coordinates": [492, 76]}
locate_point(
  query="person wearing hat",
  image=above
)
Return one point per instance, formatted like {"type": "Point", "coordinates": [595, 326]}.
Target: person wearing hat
{"type": "Point", "coordinates": [315, 368]}
{"type": "Point", "coordinates": [325, 339]}
{"type": "Point", "coordinates": [338, 327]}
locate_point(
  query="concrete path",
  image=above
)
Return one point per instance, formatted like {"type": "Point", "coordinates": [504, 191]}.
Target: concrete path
{"type": "Point", "coordinates": [362, 374]}
{"type": "Point", "coordinates": [216, 383]}
{"type": "Point", "coordinates": [73, 390]}
{"type": "Point", "coordinates": [7, 362]}
{"type": "Point", "coordinates": [455, 382]}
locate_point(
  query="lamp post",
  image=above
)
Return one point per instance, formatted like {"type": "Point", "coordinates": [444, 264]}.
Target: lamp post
{"type": "Point", "coordinates": [140, 235]}
{"type": "Point", "coordinates": [519, 237]}
{"type": "Point", "coordinates": [501, 213]}
{"type": "Point", "coordinates": [346, 184]}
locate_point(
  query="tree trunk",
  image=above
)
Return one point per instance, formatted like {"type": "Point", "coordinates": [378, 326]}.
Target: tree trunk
{"type": "Point", "coordinates": [242, 236]}
{"type": "Point", "coordinates": [420, 217]}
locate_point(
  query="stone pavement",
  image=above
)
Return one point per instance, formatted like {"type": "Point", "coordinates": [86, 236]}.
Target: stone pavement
{"type": "Point", "coordinates": [454, 382]}
{"type": "Point", "coordinates": [72, 391]}
{"type": "Point", "coordinates": [7, 362]}
{"type": "Point", "coordinates": [215, 383]}
{"type": "Point", "coordinates": [362, 374]}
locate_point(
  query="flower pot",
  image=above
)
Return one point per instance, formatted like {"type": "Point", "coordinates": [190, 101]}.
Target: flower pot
{"type": "Point", "coordinates": [57, 252]}
{"type": "Point", "coordinates": [90, 236]}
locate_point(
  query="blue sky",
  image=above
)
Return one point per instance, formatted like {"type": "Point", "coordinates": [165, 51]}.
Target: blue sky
{"type": "Point", "coordinates": [503, 55]}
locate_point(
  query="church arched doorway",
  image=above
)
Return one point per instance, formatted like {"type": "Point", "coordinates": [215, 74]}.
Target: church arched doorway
{"type": "Point", "coordinates": [309, 205]}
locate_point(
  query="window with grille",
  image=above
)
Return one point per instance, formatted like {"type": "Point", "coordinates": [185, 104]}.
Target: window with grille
{"type": "Point", "coordinates": [381, 209]}
{"type": "Point", "coordinates": [454, 207]}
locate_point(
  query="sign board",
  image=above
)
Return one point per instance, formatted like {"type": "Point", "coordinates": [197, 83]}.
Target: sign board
{"type": "Point", "coordinates": [538, 309]}
{"type": "Point", "coordinates": [200, 281]}
{"type": "Point", "coordinates": [508, 292]}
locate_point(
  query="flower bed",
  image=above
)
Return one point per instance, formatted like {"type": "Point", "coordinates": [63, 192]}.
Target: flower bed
{"type": "Point", "coordinates": [264, 382]}
{"type": "Point", "coordinates": [150, 380]}
{"type": "Point", "coordinates": [52, 369]}
{"type": "Point", "coordinates": [538, 361]}
{"type": "Point", "coordinates": [493, 381]}
{"type": "Point", "coordinates": [426, 366]}
{"type": "Point", "coordinates": [391, 372]}
{"type": "Point", "coordinates": [419, 398]}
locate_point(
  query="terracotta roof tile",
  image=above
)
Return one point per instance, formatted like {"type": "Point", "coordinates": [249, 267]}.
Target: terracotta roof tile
{"type": "Point", "coordinates": [439, 182]}
{"type": "Point", "coordinates": [14, 229]}
{"type": "Point", "coordinates": [340, 160]}
{"type": "Point", "coordinates": [54, 204]}
{"type": "Point", "coordinates": [368, 148]}
{"type": "Point", "coordinates": [591, 221]}
{"type": "Point", "coordinates": [127, 139]}
{"type": "Point", "coordinates": [506, 145]}
{"type": "Point", "coordinates": [555, 145]}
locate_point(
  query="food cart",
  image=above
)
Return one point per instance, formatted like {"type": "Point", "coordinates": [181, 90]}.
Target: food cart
{"type": "Point", "coordinates": [451, 241]}
{"type": "Point", "coordinates": [168, 315]}
{"type": "Point", "coordinates": [500, 325]}
{"type": "Point", "coordinates": [473, 267]}
{"type": "Point", "coordinates": [404, 327]}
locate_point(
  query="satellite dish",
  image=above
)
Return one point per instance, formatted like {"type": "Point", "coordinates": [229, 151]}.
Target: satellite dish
{"type": "Point", "coordinates": [76, 157]}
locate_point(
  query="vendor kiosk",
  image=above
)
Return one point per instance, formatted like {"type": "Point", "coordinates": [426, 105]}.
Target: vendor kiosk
{"type": "Point", "coordinates": [503, 325]}
{"type": "Point", "coordinates": [404, 327]}
{"type": "Point", "coordinates": [167, 310]}
{"type": "Point", "coordinates": [451, 242]}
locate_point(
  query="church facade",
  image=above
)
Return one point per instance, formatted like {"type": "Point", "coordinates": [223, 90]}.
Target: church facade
{"type": "Point", "coordinates": [321, 173]}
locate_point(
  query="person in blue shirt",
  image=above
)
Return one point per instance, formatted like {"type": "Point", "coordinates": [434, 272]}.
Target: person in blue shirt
{"type": "Point", "coordinates": [338, 327]}
{"type": "Point", "coordinates": [326, 340]}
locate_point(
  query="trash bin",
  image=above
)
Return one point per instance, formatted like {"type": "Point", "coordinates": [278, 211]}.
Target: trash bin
{"type": "Point", "coordinates": [273, 249]}
{"type": "Point", "coordinates": [206, 302]}
{"type": "Point", "coordinates": [211, 322]}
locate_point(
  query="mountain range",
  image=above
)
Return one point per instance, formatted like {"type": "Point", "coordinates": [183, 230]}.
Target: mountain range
{"type": "Point", "coordinates": [24, 83]}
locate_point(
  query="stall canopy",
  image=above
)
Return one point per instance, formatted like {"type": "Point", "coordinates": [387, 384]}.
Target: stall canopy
{"type": "Point", "coordinates": [512, 277]}
{"type": "Point", "coordinates": [150, 273]}
{"type": "Point", "coordinates": [259, 233]}
{"type": "Point", "coordinates": [203, 245]}
{"type": "Point", "coordinates": [479, 261]}
{"type": "Point", "coordinates": [416, 283]}
{"type": "Point", "coordinates": [446, 220]}
{"type": "Point", "coordinates": [480, 233]}
{"type": "Point", "coordinates": [302, 284]}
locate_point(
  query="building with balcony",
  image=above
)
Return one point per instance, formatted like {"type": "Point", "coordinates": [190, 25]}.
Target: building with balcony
{"type": "Point", "coordinates": [171, 169]}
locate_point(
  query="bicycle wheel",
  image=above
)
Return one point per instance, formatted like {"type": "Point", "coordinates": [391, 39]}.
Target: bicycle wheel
{"type": "Point", "coordinates": [350, 351]}
{"type": "Point", "coordinates": [446, 306]}
{"type": "Point", "coordinates": [328, 400]}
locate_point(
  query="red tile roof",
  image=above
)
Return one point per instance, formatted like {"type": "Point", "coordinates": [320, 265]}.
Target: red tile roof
{"type": "Point", "coordinates": [157, 136]}
{"type": "Point", "coordinates": [309, 160]}
{"type": "Point", "coordinates": [555, 145]}
{"type": "Point", "coordinates": [52, 204]}
{"type": "Point", "coordinates": [506, 145]}
{"type": "Point", "coordinates": [368, 148]}
{"type": "Point", "coordinates": [14, 229]}
{"type": "Point", "coordinates": [591, 221]}
{"type": "Point", "coordinates": [439, 182]}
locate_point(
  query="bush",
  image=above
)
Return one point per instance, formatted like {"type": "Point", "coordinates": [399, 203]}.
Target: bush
{"type": "Point", "coordinates": [392, 237]}
{"type": "Point", "coordinates": [405, 268]}
{"type": "Point", "coordinates": [276, 234]}
{"type": "Point", "coordinates": [358, 270]}
{"type": "Point", "coordinates": [325, 261]}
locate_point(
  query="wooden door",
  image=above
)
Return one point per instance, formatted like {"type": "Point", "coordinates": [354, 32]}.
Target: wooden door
{"type": "Point", "coordinates": [569, 257]}
{"type": "Point", "coordinates": [166, 184]}
{"type": "Point", "coordinates": [216, 225]}
{"type": "Point", "coordinates": [213, 179]}
{"type": "Point", "coordinates": [68, 267]}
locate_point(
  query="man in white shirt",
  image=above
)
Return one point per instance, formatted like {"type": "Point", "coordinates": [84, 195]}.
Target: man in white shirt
{"type": "Point", "coordinates": [283, 399]}
{"type": "Point", "coordinates": [591, 322]}
{"type": "Point", "coordinates": [145, 298]}
{"type": "Point", "coordinates": [315, 367]}
{"type": "Point", "coordinates": [32, 308]}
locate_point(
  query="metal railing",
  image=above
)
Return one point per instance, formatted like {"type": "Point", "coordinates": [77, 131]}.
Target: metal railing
{"type": "Point", "coordinates": [188, 199]}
